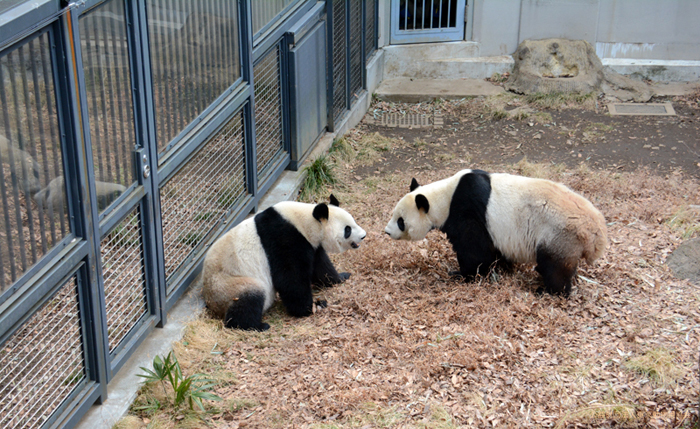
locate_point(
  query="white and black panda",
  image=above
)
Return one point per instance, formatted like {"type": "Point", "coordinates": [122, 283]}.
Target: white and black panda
{"type": "Point", "coordinates": [280, 250]}
{"type": "Point", "coordinates": [498, 217]}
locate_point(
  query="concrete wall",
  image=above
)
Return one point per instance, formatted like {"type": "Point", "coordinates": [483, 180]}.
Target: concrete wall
{"type": "Point", "coordinates": [639, 29]}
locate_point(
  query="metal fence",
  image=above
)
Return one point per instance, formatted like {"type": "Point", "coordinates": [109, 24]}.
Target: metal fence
{"type": "Point", "coordinates": [352, 39]}
{"type": "Point", "coordinates": [132, 134]}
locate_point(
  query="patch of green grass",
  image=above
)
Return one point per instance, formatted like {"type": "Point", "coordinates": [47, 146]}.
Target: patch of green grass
{"type": "Point", "coordinates": [686, 222]}
{"type": "Point", "coordinates": [371, 146]}
{"type": "Point", "coordinates": [618, 412]}
{"type": "Point", "coordinates": [557, 99]}
{"type": "Point", "coordinates": [419, 143]}
{"type": "Point", "coordinates": [342, 149]}
{"type": "Point", "coordinates": [657, 364]}
{"type": "Point", "coordinates": [319, 175]}
{"type": "Point", "coordinates": [370, 185]}
{"type": "Point", "coordinates": [444, 158]}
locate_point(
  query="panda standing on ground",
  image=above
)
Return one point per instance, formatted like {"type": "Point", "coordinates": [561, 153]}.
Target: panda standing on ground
{"type": "Point", "coordinates": [497, 217]}
{"type": "Point", "coordinates": [280, 250]}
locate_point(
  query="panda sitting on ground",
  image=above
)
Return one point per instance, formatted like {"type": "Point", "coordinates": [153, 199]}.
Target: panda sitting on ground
{"type": "Point", "coordinates": [280, 250]}
{"type": "Point", "coordinates": [498, 217]}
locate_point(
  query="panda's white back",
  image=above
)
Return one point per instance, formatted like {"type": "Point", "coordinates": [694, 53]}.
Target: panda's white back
{"type": "Point", "coordinates": [239, 252]}
{"type": "Point", "coordinates": [521, 215]}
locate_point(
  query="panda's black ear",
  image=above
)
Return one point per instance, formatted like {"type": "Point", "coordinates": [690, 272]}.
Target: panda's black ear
{"type": "Point", "coordinates": [414, 184]}
{"type": "Point", "coordinates": [321, 212]}
{"type": "Point", "coordinates": [422, 203]}
{"type": "Point", "coordinates": [334, 201]}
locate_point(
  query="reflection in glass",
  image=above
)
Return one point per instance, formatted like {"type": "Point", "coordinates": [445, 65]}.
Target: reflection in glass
{"type": "Point", "coordinates": [110, 107]}
{"type": "Point", "coordinates": [33, 209]}
{"type": "Point", "coordinates": [194, 59]}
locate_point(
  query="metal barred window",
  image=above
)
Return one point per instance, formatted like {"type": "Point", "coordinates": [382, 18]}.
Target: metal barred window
{"type": "Point", "coordinates": [339, 59]}
{"type": "Point", "coordinates": [110, 107]}
{"type": "Point", "coordinates": [202, 194]}
{"type": "Point", "coordinates": [124, 278]}
{"type": "Point", "coordinates": [370, 27]}
{"type": "Point", "coordinates": [195, 58]}
{"type": "Point", "coordinates": [268, 112]}
{"type": "Point", "coordinates": [43, 362]}
{"type": "Point", "coordinates": [356, 62]}
{"type": "Point", "coordinates": [33, 210]}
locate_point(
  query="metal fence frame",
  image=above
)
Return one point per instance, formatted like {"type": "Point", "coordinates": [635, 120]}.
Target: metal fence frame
{"type": "Point", "coordinates": [78, 255]}
{"type": "Point", "coordinates": [343, 65]}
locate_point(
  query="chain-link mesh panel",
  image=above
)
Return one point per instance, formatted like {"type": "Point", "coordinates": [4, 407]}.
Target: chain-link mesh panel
{"type": "Point", "coordinates": [33, 210]}
{"type": "Point", "coordinates": [268, 113]}
{"type": "Point", "coordinates": [370, 27]}
{"type": "Point", "coordinates": [42, 363]}
{"type": "Point", "coordinates": [105, 53]}
{"type": "Point", "coordinates": [195, 58]}
{"type": "Point", "coordinates": [339, 58]}
{"type": "Point", "coordinates": [356, 63]}
{"type": "Point", "coordinates": [202, 193]}
{"type": "Point", "coordinates": [124, 278]}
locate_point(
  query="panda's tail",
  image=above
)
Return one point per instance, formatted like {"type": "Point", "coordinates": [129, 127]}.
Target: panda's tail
{"type": "Point", "coordinates": [246, 311]}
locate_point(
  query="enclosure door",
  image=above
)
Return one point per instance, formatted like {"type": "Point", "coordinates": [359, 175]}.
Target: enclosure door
{"type": "Point", "coordinates": [119, 174]}
{"type": "Point", "coordinates": [422, 21]}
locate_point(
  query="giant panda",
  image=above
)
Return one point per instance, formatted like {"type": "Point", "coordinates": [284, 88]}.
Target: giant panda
{"type": "Point", "coordinates": [498, 217]}
{"type": "Point", "coordinates": [280, 250]}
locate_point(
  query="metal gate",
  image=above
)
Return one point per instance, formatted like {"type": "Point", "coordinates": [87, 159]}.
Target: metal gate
{"type": "Point", "coordinates": [132, 134]}
{"type": "Point", "coordinates": [422, 21]}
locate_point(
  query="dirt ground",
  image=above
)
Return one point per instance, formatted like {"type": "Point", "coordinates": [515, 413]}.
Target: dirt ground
{"type": "Point", "coordinates": [403, 345]}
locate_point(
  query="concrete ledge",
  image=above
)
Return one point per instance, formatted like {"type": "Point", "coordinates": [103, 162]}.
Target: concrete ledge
{"type": "Point", "coordinates": [408, 90]}
{"type": "Point", "coordinates": [655, 70]}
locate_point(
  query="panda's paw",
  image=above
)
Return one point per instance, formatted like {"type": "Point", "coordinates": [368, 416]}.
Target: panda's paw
{"type": "Point", "coordinates": [321, 303]}
{"type": "Point", "coordinates": [456, 274]}
{"type": "Point", "coordinates": [263, 327]}
{"type": "Point", "coordinates": [344, 276]}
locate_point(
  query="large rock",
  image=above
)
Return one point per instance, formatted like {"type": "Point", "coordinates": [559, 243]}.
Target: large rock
{"type": "Point", "coordinates": [685, 261]}
{"type": "Point", "coordinates": [569, 66]}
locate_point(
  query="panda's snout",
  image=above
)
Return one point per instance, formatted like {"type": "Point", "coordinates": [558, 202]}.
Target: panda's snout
{"type": "Point", "coordinates": [356, 245]}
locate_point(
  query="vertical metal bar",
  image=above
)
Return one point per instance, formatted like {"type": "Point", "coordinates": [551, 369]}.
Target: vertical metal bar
{"type": "Point", "coordinates": [449, 14]}
{"type": "Point", "coordinates": [42, 142]}
{"type": "Point", "coordinates": [54, 141]}
{"type": "Point", "coordinates": [219, 47]}
{"type": "Point", "coordinates": [191, 100]}
{"type": "Point", "coordinates": [108, 92]}
{"type": "Point", "coordinates": [176, 84]}
{"type": "Point", "coordinates": [121, 139]}
{"type": "Point", "coordinates": [92, 52]}
{"type": "Point", "coordinates": [196, 58]}
{"type": "Point", "coordinates": [6, 209]}
{"type": "Point", "coordinates": [348, 54]}
{"type": "Point", "coordinates": [25, 167]}
{"type": "Point", "coordinates": [206, 54]}
{"type": "Point", "coordinates": [157, 66]}
{"type": "Point", "coordinates": [104, 153]}
{"type": "Point", "coordinates": [15, 190]}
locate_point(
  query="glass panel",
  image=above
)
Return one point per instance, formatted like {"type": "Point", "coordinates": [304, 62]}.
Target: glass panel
{"type": "Point", "coordinates": [189, 214]}
{"type": "Point", "coordinates": [124, 278]}
{"type": "Point", "coordinates": [110, 107]}
{"type": "Point", "coordinates": [268, 112]}
{"type": "Point", "coordinates": [264, 11]}
{"type": "Point", "coordinates": [33, 212]}
{"type": "Point", "coordinates": [43, 362]}
{"type": "Point", "coordinates": [195, 58]}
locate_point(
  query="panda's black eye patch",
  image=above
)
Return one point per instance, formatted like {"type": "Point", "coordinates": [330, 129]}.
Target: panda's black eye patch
{"type": "Point", "coordinates": [348, 231]}
{"type": "Point", "coordinates": [401, 225]}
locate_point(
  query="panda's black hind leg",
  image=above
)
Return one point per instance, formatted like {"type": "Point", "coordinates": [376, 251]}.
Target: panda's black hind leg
{"type": "Point", "coordinates": [324, 273]}
{"type": "Point", "coordinates": [557, 274]}
{"type": "Point", "coordinates": [246, 313]}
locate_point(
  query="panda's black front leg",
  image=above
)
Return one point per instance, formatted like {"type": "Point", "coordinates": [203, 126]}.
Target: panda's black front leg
{"type": "Point", "coordinates": [324, 273]}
